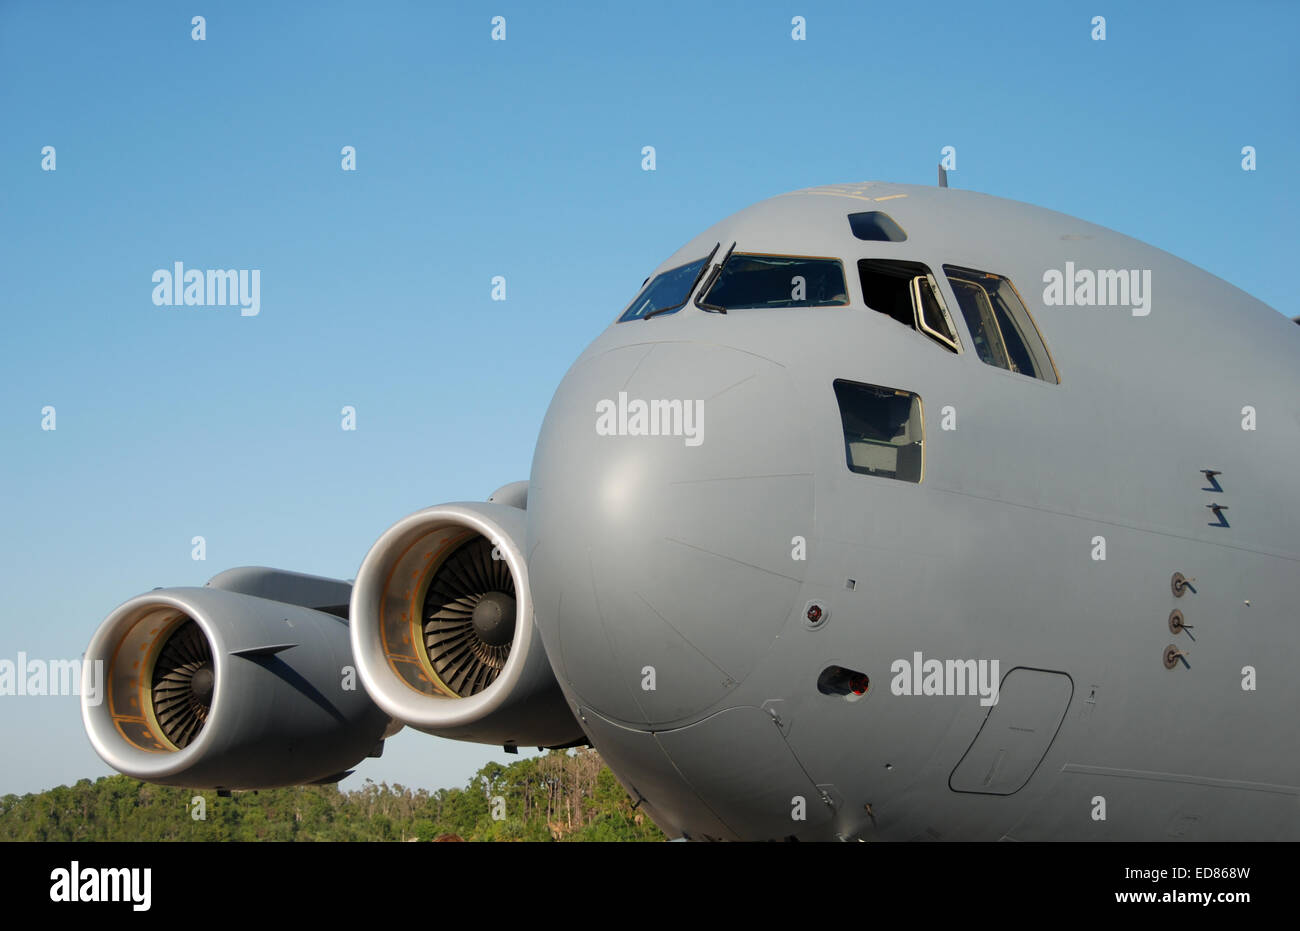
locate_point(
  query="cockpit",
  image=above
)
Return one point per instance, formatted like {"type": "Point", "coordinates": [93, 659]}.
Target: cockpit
{"type": "Point", "coordinates": [1000, 329]}
{"type": "Point", "coordinates": [883, 426]}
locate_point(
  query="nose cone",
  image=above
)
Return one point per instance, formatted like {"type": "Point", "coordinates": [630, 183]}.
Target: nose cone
{"type": "Point", "coordinates": [662, 565]}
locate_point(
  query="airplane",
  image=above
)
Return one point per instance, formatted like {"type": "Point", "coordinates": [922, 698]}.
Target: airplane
{"type": "Point", "coordinates": [882, 512]}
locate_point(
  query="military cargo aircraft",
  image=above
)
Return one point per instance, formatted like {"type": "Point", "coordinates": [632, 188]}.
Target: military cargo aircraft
{"type": "Point", "coordinates": [881, 512]}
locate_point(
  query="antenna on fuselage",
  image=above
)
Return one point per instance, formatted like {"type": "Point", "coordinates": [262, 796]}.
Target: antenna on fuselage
{"type": "Point", "coordinates": [943, 176]}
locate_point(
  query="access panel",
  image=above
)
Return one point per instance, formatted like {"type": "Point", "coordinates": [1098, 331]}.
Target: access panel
{"type": "Point", "coordinates": [1016, 733]}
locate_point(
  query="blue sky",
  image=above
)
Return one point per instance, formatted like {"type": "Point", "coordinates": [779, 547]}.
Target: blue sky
{"type": "Point", "coordinates": [477, 158]}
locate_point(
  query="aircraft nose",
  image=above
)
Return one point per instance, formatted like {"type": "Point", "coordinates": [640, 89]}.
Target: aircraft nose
{"type": "Point", "coordinates": [668, 487]}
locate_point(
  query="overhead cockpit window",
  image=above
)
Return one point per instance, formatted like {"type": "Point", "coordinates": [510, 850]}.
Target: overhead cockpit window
{"type": "Point", "coordinates": [749, 280]}
{"type": "Point", "coordinates": [874, 226]}
{"type": "Point", "coordinates": [884, 430]}
{"type": "Point", "coordinates": [1000, 326]}
{"type": "Point", "coordinates": [907, 292]}
{"type": "Point", "coordinates": [666, 292]}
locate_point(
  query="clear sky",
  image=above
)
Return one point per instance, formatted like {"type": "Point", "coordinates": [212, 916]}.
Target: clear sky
{"type": "Point", "coordinates": [477, 158]}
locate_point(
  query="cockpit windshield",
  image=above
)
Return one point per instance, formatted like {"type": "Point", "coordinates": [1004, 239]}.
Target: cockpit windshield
{"type": "Point", "coordinates": [751, 281]}
{"type": "Point", "coordinates": [666, 292]}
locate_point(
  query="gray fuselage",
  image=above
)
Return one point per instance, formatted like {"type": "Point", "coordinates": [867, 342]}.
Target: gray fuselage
{"type": "Point", "coordinates": [672, 590]}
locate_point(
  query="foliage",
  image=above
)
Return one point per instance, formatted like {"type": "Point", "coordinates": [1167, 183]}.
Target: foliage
{"type": "Point", "coordinates": [563, 795]}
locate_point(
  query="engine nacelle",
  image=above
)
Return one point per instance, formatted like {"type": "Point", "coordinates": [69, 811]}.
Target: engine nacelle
{"type": "Point", "coordinates": [443, 630]}
{"type": "Point", "coordinates": [210, 688]}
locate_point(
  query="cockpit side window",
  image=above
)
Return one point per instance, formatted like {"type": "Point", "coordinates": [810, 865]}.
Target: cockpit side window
{"type": "Point", "coordinates": [907, 292]}
{"type": "Point", "coordinates": [750, 280]}
{"type": "Point", "coordinates": [667, 292]}
{"type": "Point", "coordinates": [1004, 333]}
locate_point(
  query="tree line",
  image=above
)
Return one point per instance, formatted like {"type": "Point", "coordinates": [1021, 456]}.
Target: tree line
{"type": "Point", "coordinates": [560, 796]}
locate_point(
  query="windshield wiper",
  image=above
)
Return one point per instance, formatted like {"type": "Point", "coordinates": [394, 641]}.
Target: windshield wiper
{"type": "Point", "coordinates": [713, 277]}
{"type": "Point", "coordinates": [691, 289]}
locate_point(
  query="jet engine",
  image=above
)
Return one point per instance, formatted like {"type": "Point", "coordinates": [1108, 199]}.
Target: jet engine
{"type": "Point", "coordinates": [219, 688]}
{"type": "Point", "coordinates": [443, 630]}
